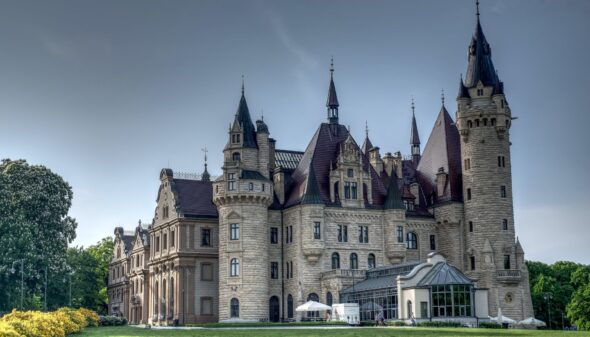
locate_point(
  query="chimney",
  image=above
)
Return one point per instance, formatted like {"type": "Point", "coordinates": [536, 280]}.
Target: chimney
{"type": "Point", "coordinates": [271, 156]}
{"type": "Point", "coordinates": [388, 163]}
{"type": "Point", "coordinates": [375, 159]}
{"type": "Point", "coordinates": [279, 184]}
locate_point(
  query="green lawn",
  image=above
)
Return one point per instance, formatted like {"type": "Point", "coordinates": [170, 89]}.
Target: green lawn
{"type": "Point", "coordinates": [369, 332]}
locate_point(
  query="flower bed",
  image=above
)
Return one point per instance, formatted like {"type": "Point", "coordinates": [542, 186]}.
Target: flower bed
{"type": "Point", "coordinates": [57, 323]}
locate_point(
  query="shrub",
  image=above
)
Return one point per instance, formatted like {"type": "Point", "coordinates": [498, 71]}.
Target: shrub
{"type": "Point", "coordinates": [396, 323]}
{"type": "Point", "coordinates": [6, 330]}
{"type": "Point", "coordinates": [490, 325]}
{"type": "Point", "coordinates": [35, 324]}
{"type": "Point", "coordinates": [440, 324]}
{"type": "Point", "coordinates": [368, 323]}
{"type": "Point", "coordinates": [92, 318]}
{"type": "Point", "coordinates": [71, 320]}
{"type": "Point", "coordinates": [112, 320]}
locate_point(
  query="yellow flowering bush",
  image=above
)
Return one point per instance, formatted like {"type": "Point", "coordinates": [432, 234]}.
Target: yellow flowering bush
{"type": "Point", "coordinates": [6, 330]}
{"type": "Point", "coordinates": [91, 317]}
{"type": "Point", "coordinates": [58, 323]}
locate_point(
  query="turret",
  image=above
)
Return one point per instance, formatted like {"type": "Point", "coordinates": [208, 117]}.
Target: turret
{"type": "Point", "coordinates": [332, 101]}
{"type": "Point", "coordinates": [414, 139]}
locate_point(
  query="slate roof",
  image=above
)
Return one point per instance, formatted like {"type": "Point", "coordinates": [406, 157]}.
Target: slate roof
{"type": "Point", "coordinates": [194, 197]}
{"type": "Point", "coordinates": [128, 241]}
{"type": "Point", "coordinates": [367, 145]}
{"type": "Point", "coordinates": [245, 122]}
{"type": "Point", "coordinates": [393, 200]}
{"type": "Point", "coordinates": [443, 149]}
{"type": "Point", "coordinates": [414, 137]}
{"type": "Point", "coordinates": [287, 159]}
{"type": "Point", "coordinates": [312, 192]}
{"type": "Point", "coordinates": [332, 101]}
{"type": "Point", "coordinates": [480, 66]}
{"type": "Point", "coordinates": [443, 273]}
{"type": "Point", "coordinates": [254, 175]}
{"type": "Point", "coordinates": [463, 92]}
{"type": "Point", "coordinates": [320, 153]}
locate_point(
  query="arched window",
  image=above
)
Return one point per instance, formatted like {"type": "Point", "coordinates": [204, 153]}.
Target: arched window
{"type": "Point", "coordinates": [235, 267]}
{"type": "Point", "coordinates": [485, 122]}
{"type": "Point", "coordinates": [493, 121]}
{"type": "Point", "coordinates": [411, 241]}
{"type": "Point", "coordinates": [313, 297]}
{"type": "Point", "coordinates": [476, 122]}
{"type": "Point", "coordinates": [371, 261]}
{"type": "Point", "coordinates": [329, 299]}
{"type": "Point", "coordinates": [234, 308]}
{"type": "Point", "coordinates": [335, 261]}
{"type": "Point", "coordinates": [336, 191]}
{"type": "Point", "coordinates": [289, 306]}
{"type": "Point", "coordinates": [235, 156]}
{"type": "Point", "coordinates": [354, 261]}
{"type": "Point", "coordinates": [469, 124]}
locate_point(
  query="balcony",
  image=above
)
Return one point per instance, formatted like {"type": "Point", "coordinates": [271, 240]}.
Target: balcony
{"type": "Point", "coordinates": [347, 273]}
{"type": "Point", "coordinates": [509, 276]}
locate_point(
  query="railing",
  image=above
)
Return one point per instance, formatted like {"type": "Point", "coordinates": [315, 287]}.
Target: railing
{"type": "Point", "coordinates": [344, 273]}
{"type": "Point", "coordinates": [508, 276]}
{"type": "Point", "coordinates": [191, 176]}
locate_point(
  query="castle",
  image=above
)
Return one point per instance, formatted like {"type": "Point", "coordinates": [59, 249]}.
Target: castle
{"type": "Point", "coordinates": [338, 222]}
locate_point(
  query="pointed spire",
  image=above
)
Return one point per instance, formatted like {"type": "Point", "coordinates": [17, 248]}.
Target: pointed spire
{"type": "Point", "coordinates": [463, 92]}
{"type": "Point", "coordinates": [205, 176]}
{"type": "Point", "coordinates": [480, 66]}
{"type": "Point", "coordinates": [393, 199]}
{"type": "Point", "coordinates": [332, 101]}
{"type": "Point", "coordinates": [312, 192]}
{"type": "Point", "coordinates": [244, 122]}
{"type": "Point", "coordinates": [367, 145]}
{"type": "Point", "coordinates": [414, 137]}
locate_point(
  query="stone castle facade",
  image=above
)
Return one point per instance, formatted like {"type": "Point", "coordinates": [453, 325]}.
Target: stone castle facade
{"type": "Point", "coordinates": [281, 227]}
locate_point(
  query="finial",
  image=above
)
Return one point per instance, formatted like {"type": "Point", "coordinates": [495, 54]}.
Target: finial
{"type": "Point", "coordinates": [242, 84]}
{"type": "Point", "coordinates": [413, 105]}
{"type": "Point", "coordinates": [332, 66]}
{"type": "Point", "coordinates": [139, 223]}
{"type": "Point", "coordinates": [442, 96]}
{"type": "Point", "coordinates": [262, 114]}
{"type": "Point", "coordinates": [477, 8]}
{"type": "Point", "coordinates": [205, 151]}
{"type": "Point", "coordinates": [366, 129]}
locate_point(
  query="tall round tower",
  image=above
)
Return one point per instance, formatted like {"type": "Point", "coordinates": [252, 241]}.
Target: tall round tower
{"type": "Point", "coordinates": [492, 255]}
{"type": "Point", "coordinates": [242, 196]}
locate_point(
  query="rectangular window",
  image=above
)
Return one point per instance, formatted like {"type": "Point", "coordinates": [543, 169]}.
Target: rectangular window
{"type": "Point", "coordinates": [505, 224]}
{"type": "Point", "coordinates": [165, 241]}
{"type": "Point", "coordinates": [503, 191]}
{"type": "Point", "coordinates": [206, 306]}
{"type": "Point", "coordinates": [231, 181]}
{"type": "Point", "coordinates": [286, 270]}
{"type": "Point", "coordinates": [206, 272]}
{"type": "Point", "coordinates": [506, 261]}
{"type": "Point", "coordinates": [287, 234]}
{"type": "Point", "coordinates": [350, 173]}
{"type": "Point", "coordinates": [468, 164]}
{"type": "Point", "coordinates": [342, 233]}
{"type": "Point", "coordinates": [274, 235]}
{"type": "Point", "coordinates": [432, 242]}
{"type": "Point", "coordinates": [157, 243]}
{"type": "Point", "coordinates": [472, 260]}
{"type": "Point", "coordinates": [400, 234]}
{"type": "Point", "coordinates": [347, 190]}
{"type": "Point", "coordinates": [468, 194]}
{"type": "Point", "coordinates": [363, 234]}
{"type": "Point", "coordinates": [354, 190]}
{"type": "Point", "coordinates": [274, 270]}
{"type": "Point", "coordinates": [423, 309]}
{"type": "Point", "coordinates": [470, 226]}
{"type": "Point", "coordinates": [235, 231]}
{"type": "Point", "coordinates": [205, 237]}
{"type": "Point", "coordinates": [290, 234]}
{"type": "Point", "coordinates": [317, 231]}
{"type": "Point", "coordinates": [172, 238]}
{"type": "Point", "coordinates": [501, 161]}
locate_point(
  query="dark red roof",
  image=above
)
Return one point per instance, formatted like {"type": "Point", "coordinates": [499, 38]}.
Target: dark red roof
{"type": "Point", "coordinates": [195, 198]}
{"type": "Point", "coordinates": [322, 151]}
{"type": "Point", "coordinates": [443, 149]}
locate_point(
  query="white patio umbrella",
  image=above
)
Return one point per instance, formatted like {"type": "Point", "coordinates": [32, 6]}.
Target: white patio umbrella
{"type": "Point", "coordinates": [532, 321]}
{"type": "Point", "coordinates": [313, 306]}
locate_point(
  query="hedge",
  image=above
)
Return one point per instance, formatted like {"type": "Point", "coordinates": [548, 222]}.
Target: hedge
{"type": "Point", "coordinates": [58, 323]}
{"type": "Point", "coordinates": [490, 325]}
{"type": "Point", "coordinates": [440, 324]}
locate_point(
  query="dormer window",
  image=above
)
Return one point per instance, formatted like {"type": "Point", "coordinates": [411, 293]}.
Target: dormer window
{"type": "Point", "coordinates": [235, 138]}
{"type": "Point", "coordinates": [350, 173]}
{"type": "Point", "coordinates": [235, 156]}
{"type": "Point", "coordinates": [350, 190]}
{"type": "Point", "coordinates": [409, 205]}
{"type": "Point", "coordinates": [479, 92]}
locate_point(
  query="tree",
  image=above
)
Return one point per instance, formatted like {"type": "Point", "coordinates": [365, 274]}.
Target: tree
{"type": "Point", "coordinates": [102, 253]}
{"type": "Point", "coordinates": [578, 310]}
{"type": "Point", "coordinates": [35, 227]}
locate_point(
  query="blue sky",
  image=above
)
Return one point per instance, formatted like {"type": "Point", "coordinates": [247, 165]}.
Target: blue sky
{"type": "Point", "coordinates": [106, 93]}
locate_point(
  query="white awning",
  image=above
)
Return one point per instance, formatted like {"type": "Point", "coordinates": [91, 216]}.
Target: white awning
{"type": "Point", "coordinates": [313, 306]}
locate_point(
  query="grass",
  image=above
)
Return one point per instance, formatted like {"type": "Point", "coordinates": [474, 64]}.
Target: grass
{"type": "Point", "coordinates": [126, 331]}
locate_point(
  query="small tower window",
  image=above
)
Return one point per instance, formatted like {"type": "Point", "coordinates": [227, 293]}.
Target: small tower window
{"type": "Point", "coordinates": [411, 241]}
{"type": "Point", "coordinates": [400, 234]}
{"type": "Point", "coordinates": [235, 156]}
{"type": "Point", "coordinates": [506, 261]}
{"type": "Point", "coordinates": [503, 191]}
{"type": "Point", "coordinates": [235, 267]}
{"type": "Point", "coordinates": [505, 224]}
{"type": "Point", "coordinates": [317, 230]}
{"type": "Point", "coordinates": [476, 122]}
{"type": "Point", "coordinates": [472, 262]}
{"type": "Point", "coordinates": [350, 173]}
{"type": "Point", "coordinates": [471, 226]}
{"type": "Point", "coordinates": [469, 124]}
{"type": "Point", "coordinates": [479, 92]}
{"type": "Point", "coordinates": [432, 242]}
{"type": "Point", "coordinates": [468, 194]}
{"type": "Point", "coordinates": [234, 231]}
{"type": "Point", "coordinates": [485, 122]}
{"type": "Point", "coordinates": [231, 181]}
{"type": "Point", "coordinates": [251, 186]}
{"type": "Point", "coordinates": [501, 161]}
{"type": "Point", "coordinates": [493, 122]}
